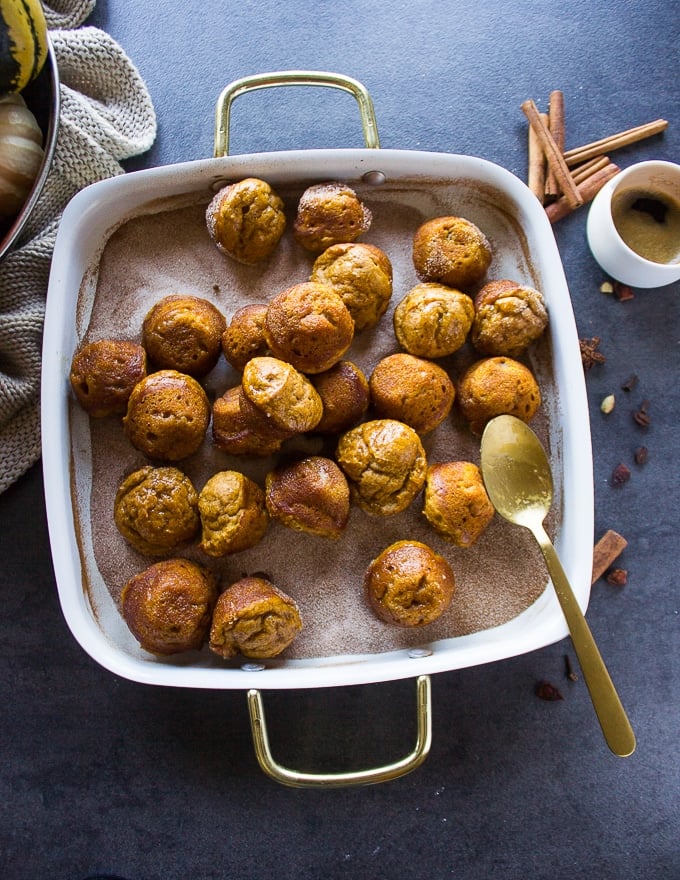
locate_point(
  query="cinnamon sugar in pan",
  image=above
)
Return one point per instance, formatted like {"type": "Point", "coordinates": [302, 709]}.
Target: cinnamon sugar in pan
{"type": "Point", "coordinates": [169, 252]}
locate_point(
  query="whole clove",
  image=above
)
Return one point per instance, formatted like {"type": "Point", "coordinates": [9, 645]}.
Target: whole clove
{"type": "Point", "coordinates": [641, 415]}
{"type": "Point", "coordinates": [641, 455]}
{"type": "Point", "coordinates": [630, 383]}
{"type": "Point", "coordinates": [569, 669]}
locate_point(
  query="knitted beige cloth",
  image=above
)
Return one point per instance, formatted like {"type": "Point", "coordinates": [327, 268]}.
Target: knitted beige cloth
{"type": "Point", "coordinates": [106, 116]}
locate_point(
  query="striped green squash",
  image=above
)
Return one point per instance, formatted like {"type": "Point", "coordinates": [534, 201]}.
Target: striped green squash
{"type": "Point", "coordinates": [23, 43]}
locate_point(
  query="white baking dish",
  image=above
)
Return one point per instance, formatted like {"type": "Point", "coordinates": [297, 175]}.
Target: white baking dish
{"type": "Point", "coordinates": [89, 221]}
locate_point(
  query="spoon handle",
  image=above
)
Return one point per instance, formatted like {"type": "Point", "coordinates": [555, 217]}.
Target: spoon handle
{"type": "Point", "coordinates": [612, 717]}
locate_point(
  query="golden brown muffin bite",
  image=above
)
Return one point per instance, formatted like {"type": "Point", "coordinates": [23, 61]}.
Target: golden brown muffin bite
{"type": "Point", "coordinates": [327, 214]}
{"type": "Point", "coordinates": [385, 463]}
{"type": "Point", "coordinates": [409, 584]}
{"type": "Point", "coordinates": [244, 338]}
{"type": "Point", "coordinates": [184, 333]}
{"type": "Point", "coordinates": [432, 320]}
{"type": "Point", "coordinates": [345, 397]}
{"type": "Point", "coordinates": [412, 390]}
{"type": "Point", "coordinates": [451, 250]}
{"type": "Point", "coordinates": [167, 415]}
{"type": "Point", "coordinates": [254, 618]}
{"type": "Point", "coordinates": [240, 429]}
{"type": "Point", "coordinates": [309, 326]}
{"type": "Point", "coordinates": [361, 274]}
{"type": "Point", "coordinates": [246, 220]}
{"type": "Point", "coordinates": [496, 386]}
{"type": "Point", "coordinates": [168, 606]}
{"type": "Point", "coordinates": [156, 510]}
{"type": "Point", "coordinates": [233, 514]}
{"type": "Point", "coordinates": [103, 374]}
{"type": "Point", "coordinates": [282, 393]}
{"type": "Point", "coordinates": [508, 318]}
{"type": "Point", "coordinates": [455, 502]}
{"type": "Point", "coordinates": [311, 495]}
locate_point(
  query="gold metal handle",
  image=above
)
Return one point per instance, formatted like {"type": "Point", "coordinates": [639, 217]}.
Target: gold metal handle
{"type": "Point", "coordinates": [298, 779]}
{"type": "Point", "coordinates": [293, 78]}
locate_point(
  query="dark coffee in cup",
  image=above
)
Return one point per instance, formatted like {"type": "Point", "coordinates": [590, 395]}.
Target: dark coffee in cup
{"type": "Point", "coordinates": [649, 223]}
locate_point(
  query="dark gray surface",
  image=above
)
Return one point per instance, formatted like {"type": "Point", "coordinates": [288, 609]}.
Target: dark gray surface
{"type": "Point", "coordinates": [98, 774]}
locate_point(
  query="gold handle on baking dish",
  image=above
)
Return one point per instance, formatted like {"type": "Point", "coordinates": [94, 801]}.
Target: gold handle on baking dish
{"type": "Point", "coordinates": [299, 779]}
{"type": "Point", "coordinates": [293, 78]}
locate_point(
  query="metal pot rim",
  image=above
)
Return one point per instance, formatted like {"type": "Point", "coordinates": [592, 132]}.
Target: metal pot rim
{"type": "Point", "coordinates": [42, 97]}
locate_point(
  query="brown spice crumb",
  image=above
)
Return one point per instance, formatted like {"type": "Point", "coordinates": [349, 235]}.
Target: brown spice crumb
{"type": "Point", "coordinates": [546, 691]}
{"type": "Point", "coordinates": [641, 455]}
{"type": "Point", "coordinates": [623, 292]}
{"type": "Point", "coordinates": [617, 577]}
{"type": "Point", "coordinates": [641, 415]}
{"type": "Point", "coordinates": [630, 383]}
{"type": "Point", "coordinates": [589, 353]}
{"type": "Point", "coordinates": [620, 474]}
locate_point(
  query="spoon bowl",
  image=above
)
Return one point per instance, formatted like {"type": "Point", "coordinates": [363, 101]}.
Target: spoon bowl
{"type": "Point", "coordinates": [519, 483]}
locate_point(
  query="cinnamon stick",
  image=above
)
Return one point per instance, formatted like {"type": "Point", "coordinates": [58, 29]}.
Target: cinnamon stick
{"type": "Point", "coordinates": [536, 169]}
{"type": "Point", "coordinates": [553, 154]}
{"type": "Point", "coordinates": [556, 127]}
{"type": "Point", "coordinates": [590, 167]}
{"type": "Point", "coordinates": [587, 190]}
{"type": "Point", "coordinates": [606, 551]}
{"type": "Point", "coordinates": [614, 142]}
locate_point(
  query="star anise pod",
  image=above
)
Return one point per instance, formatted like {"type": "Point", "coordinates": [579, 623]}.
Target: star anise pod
{"type": "Point", "coordinates": [589, 352]}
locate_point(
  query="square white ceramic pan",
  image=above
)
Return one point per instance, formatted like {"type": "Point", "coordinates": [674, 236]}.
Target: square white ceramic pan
{"type": "Point", "coordinates": [431, 178]}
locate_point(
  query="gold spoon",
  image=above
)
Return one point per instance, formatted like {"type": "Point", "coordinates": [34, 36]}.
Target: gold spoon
{"type": "Point", "coordinates": [519, 483]}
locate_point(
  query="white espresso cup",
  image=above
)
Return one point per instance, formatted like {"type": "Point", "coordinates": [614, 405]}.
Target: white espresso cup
{"type": "Point", "coordinates": [633, 226]}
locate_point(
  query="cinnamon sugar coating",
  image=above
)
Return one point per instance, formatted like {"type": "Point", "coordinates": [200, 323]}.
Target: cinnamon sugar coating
{"type": "Point", "coordinates": [409, 584]}
{"type": "Point", "coordinates": [103, 374]}
{"type": "Point", "coordinates": [309, 326]}
{"type": "Point", "coordinates": [345, 397]}
{"type": "Point", "coordinates": [242, 429]}
{"type": "Point", "coordinates": [254, 618]}
{"type": "Point", "coordinates": [246, 220]}
{"type": "Point", "coordinates": [168, 606]}
{"type": "Point", "coordinates": [244, 337]}
{"type": "Point", "coordinates": [385, 462]}
{"type": "Point", "coordinates": [508, 318]}
{"type": "Point", "coordinates": [311, 495]}
{"type": "Point", "coordinates": [412, 390]}
{"type": "Point", "coordinates": [361, 274]}
{"type": "Point", "coordinates": [455, 502]}
{"type": "Point", "coordinates": [167, 415]}
{"type": "Point", "coordinates": [282, 393]}
{"type": "Point", "coordinates": [184, 333]}
{"type": "Point", "coordinates": [451, 250]}
{"type": "Point", "coordinates": [327, 214]}
{"type": "Point", "coordinates": [496, 386]}
{"type": "Point", "coordinates": [433, 320]}
{"type": "Point", "coordinates": [233, 514]}
{"type": "Point", "coordinates": [156, 510]}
